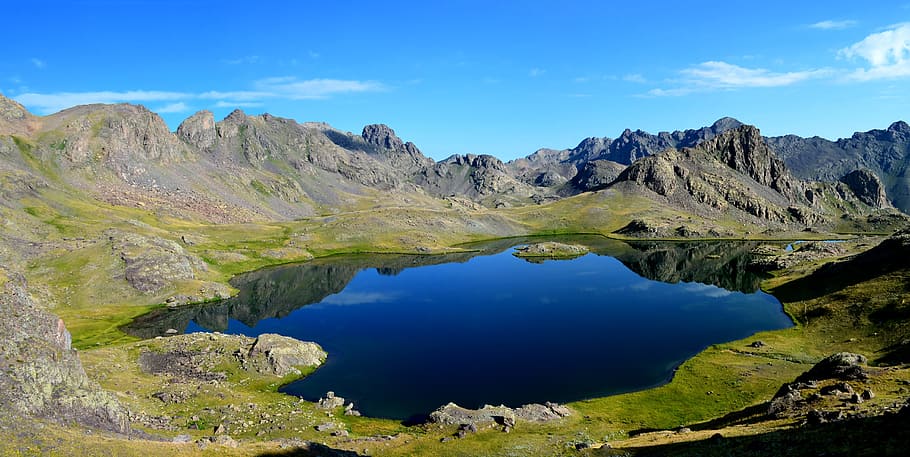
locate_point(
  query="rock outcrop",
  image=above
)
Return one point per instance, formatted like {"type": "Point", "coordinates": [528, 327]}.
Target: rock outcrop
{"type": "Point", "coordinates": [41, 373]}
{"type": "Point", "coordinates": [596, 174]}
{"type": "Point", "coordinates": [738, 175]}
{"type": "Point", "coordinates": [867, 187]}
{"type": "Point", "coordinates": [152, 263]}
{"type": "Point", "coordinates": [884, 152]}
{"type": "Point", "coordinates": [284, 354]}
{"type": "Point", "coordinates": [199, 130]}
{"type": "Point", "coordinates": [452, 414]}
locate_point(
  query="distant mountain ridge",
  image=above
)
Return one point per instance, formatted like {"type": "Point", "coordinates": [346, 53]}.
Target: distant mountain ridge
{"type": "Point", "coordinates": [594, 161]}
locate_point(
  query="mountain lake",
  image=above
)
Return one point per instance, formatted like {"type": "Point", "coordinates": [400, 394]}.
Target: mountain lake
{"type": "Point", "coordinates": [407, 334]}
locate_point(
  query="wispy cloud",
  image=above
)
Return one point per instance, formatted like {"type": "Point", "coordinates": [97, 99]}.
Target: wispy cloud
{"type": "Point", "coordinates": [245, 60]}
{"type": "Point", "coordinates": [38, 63]}
{"type": "Point", "coordinates": [833, 25]}
{"type": "Point", "coordinates": [887, 54]}
{"type": "Point", "coordinates": [295, 89]}
{"type": "Point", "coordinates": [535, 72]}
{"type": "Point", "coordinates": [634, 78]}
{"type": "Point", "coordinates": [715, 75]}
{"type": "Point", "coordinates": [178, 107]}
{"type": "Point", "coordinates": [234, 104]}
{"type": "Point", "coordinates": [50, 103]}
{"type": "Point", "coordinates": [289, 88]}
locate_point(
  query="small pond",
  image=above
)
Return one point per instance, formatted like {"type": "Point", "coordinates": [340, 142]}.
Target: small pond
{"type": "Point", "coordinates": [406, 334]}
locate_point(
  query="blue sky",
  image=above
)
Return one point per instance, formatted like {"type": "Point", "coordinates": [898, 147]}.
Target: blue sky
{"type": "Point", "coordinates": [501, 78]}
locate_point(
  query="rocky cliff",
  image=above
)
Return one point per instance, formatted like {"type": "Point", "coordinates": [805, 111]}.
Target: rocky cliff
{"type": "Point", "coordinates": [41, 374]}
{"type": "Point", "coordinates": [737, 174]}
{"type": "Point", "coordinates": [541, 167]}
{"type": "Point", "coordinates": [886, 153]}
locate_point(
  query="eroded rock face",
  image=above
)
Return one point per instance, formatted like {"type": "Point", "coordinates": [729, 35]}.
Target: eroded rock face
{"type": "Point", "coordinates": [42, 375]}
{"type": "Point", "coordinates": [596, 174]}
{"type": "Point", "coordinates": [867, 187]}
{"type": "Point", "coordinates": [199, 130]}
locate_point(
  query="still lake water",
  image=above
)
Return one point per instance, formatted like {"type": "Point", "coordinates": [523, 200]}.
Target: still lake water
{"type": "Point", "coordinates": [405, 339]}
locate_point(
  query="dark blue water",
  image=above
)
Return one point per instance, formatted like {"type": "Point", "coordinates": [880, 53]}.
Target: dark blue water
{"type": "Point", "coordinates": [499, 330]}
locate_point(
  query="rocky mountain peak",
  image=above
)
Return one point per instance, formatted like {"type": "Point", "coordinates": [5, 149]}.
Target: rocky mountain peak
{"type": "Point", "coordinates": [401, 155]}
{"type": "Point", "coordinates": [11, 110]}
{"type": "Point", "coordinates": [867, 187]}
{"type": "Point", "coordinates": [725, 123]}
{"type": "Point", "coordinates": [382, 135]}
{"type": "Point", "coordinates": [236, 116]}
{"type": "Point", "coordinates": [14, 118]}
{"type": "Point", "coordinates": [899, 126]}
{"type": "Point", "coordinates": [198, 129]}
{"type": "Point", "coordinates": [744, 150]}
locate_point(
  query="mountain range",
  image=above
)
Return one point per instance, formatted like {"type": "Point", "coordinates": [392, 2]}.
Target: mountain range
{"type": "Point", "coordinates": [249, 168]}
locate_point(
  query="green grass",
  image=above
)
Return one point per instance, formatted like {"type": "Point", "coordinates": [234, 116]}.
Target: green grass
{"type": "Point", "coordinates": [260, 187]}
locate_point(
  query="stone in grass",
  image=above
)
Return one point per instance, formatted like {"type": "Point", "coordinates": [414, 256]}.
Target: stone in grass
{"type": "Point", "coordinates": [325, 427]}
{"type": "Point", "coordinates": [330, 401]}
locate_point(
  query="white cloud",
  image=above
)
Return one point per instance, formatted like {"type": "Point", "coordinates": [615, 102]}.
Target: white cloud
{"type": "Point", "coordinates": [51, 103]}
{"type": "Point", "coordinates": [535, 72]}
{"type": "Point", "coordinates": [230, 104]}
{"type": "Point", "coordinates": [269, 88]}
{"type": "Point", "coordinates": [887, 53]}
{"type": "Point", "coordinates": [832, 25]}
{"type": "Point", "coordinates": [242, 95]}
{"type": "Point", "coordinates": [724, 75]}
{"type": "Point", "coordinates": [38, 63]}
{"type": "Point", "coordinates": [715, 75]}
{"type": "Point", "coordinates": [292, 88]}
{"type": "Point", "coordinates": [634, 78]}
{"type": "Point", "coordinates": [178, 107]}
{"type": "Point", "coordinates": [247, 60]}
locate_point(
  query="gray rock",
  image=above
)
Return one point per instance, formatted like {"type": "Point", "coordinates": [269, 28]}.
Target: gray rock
{"type": "Point", "coordinates": [198, 130]}
{"type": "Point", "coordinates": [225, 440]}
{"type": "Point", "coordinates": [785, 403]}
{"type": "Point", "coordinates": [151, 263]}
{"type": "Point", "coordinates": [182, 439]}
{"type": "Point", "coordinates": [867, 187]}
{"type": "Point", "coordinates": [324, 427]}
{"type": "Point", "coordinates": [330, 401]}
{"type": "Point", "coordinates": [43, 376]}
{"type": "Point", "coordinates": [542, 413]}
{"type": "Point", "coordinates": [452, 414]}
{"type": "Point", "coordinates": [285, 354]}
{"type": "Point", "coordinates": [843, 365]}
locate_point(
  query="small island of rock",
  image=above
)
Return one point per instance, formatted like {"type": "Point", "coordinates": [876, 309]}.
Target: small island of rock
{"type": "Point", "coordinates": [550, 250]}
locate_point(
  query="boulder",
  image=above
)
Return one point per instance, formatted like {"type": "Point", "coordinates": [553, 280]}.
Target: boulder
{"type": "Point", "coordinates": [843, 365]}
{"type": "Point", "coordinates": [330, 401]}
{"type": "Point", "coordinates": [285, 354]}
